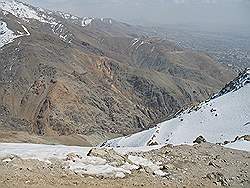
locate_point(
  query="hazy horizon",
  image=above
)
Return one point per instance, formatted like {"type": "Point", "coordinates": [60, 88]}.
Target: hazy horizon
{"type": "Point", "coordinates": [205, 13]}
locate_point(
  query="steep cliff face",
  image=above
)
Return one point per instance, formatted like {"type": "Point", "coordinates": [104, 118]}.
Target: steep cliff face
{"type": "Point", "coordinates": [63, 75]}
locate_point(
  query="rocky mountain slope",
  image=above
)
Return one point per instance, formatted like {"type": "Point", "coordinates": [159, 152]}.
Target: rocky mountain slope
{"type": "Point", "coordinates": [224, 119]}
{"type": "Point", "coordinates": [98, 78]}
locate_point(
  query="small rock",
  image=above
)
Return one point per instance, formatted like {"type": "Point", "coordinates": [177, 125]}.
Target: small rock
{"type": "Point", "coordinates": [29, 169]}
{"type": "Point", "coordinates": [167, 167]}
{"type": "Point", "coordinates": [148, 170]}
{"type": "Point", "coordinates": [213, 164]}
{"type": "Point", "coordinates": [226, 142]}
{"type": "Point", "coordinates": [153, 143]}
{"type": "Point", "coordinates": [199, 140]}
{"type": "Point", "coordinates": [7, 160]}
{"type": "Point", "coordinates": [73, 157]}
{"type": "Point", "coordinates": [218, 178]}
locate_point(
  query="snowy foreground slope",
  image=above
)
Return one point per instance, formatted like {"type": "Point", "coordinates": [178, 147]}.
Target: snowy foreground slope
{"type": "Point", "coordinates": [78, 159]}
{"type": "Point", "coordinates": [223, 118]}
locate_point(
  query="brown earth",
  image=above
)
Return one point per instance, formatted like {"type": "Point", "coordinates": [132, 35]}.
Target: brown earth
{"type": "Point", "coordinates": [204, 165]}
{"type": "Point", "coordinates": [100, 83]}
{"type": "Point", "coordinates": [69, 140]}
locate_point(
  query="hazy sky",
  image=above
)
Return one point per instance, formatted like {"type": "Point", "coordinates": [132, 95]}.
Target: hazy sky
{"type": "Point", "coordinates": [213, 12]}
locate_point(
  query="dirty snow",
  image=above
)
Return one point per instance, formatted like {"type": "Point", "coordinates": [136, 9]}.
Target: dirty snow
{"type": "Point", "coordinates": [39, 151]}
{"type": "Point", "coordinates": [147, 163]}
{"type": "Point", "coordinates": [23, 11]}
{"type": "Point", "coordinates": [7, 36]}
{"type": "Point", "coordinates": [74, 158]}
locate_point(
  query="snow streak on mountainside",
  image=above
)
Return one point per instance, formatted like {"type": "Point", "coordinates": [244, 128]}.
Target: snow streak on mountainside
{"type": "Point", "coordinates": [7, 36]}
{"type": "Point", "coordinates": [218, 120]}
{"type": "Point", "coordinates": [25, 12]}
{"type": "Point", "coordinates": [29, 13]}
{"type": "Point", "coordinates": [86, 21]}
{"type": "Point", "coordinates": [67, 16]}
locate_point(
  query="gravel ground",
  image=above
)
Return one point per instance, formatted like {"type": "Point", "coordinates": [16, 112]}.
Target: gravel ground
{"type": "Point", "coordinates": [203, 165]}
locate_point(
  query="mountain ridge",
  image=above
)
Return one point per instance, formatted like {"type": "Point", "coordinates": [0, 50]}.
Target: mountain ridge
{"type": "Point", "coordinates": [223, 119]}
{"type": "Point", "coordinates": [95, 80]}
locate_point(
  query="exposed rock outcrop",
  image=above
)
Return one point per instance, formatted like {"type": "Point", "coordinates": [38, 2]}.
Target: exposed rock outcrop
{"type": "Point", "coordinates": [68, 78]}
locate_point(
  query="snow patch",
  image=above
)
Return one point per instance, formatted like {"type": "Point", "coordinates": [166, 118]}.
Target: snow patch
{"type": "Point", "coordinates": [67, 16]}
{"type": "Point", "coordinates": [75, 158]}
{"type": "Point", "coordinates": [26, 12]}
{"type": "Point", "coordinates": [26, 30]}
{"type": "Point", "coordinates": [5, 13]}
{"type": "Point", "coordinates": [60, 30]}
{"type": "Point", "coordinates": [239, 145]}
{"type": "Point", "coordinates": [86, 21]}
{"type": "Point", "coordinates": [18, 9]}
{"type": "Point", "coordinates": [39, 151]}
{"type": "Point", "coordinates": [134, 41]}
{"type": "Point", "coordinates": [147, 163]}
{"type": "Point", "coordinates": [140, 45]}
{"type": "Point", "coordinates": [7, 36]}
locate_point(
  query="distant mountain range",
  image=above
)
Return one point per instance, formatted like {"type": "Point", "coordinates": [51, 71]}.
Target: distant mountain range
{"type": "Point", "coordinates": [64, 75]}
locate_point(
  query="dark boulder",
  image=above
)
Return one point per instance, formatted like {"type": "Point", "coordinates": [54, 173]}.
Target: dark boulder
{"type": "Point", "coordinates": [199, 140]}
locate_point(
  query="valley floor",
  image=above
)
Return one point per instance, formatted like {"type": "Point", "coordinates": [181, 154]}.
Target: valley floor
{"type": "Point", "coordinates": [69, 140]}
{"type": "Point", "coordinates": [204, 164]}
